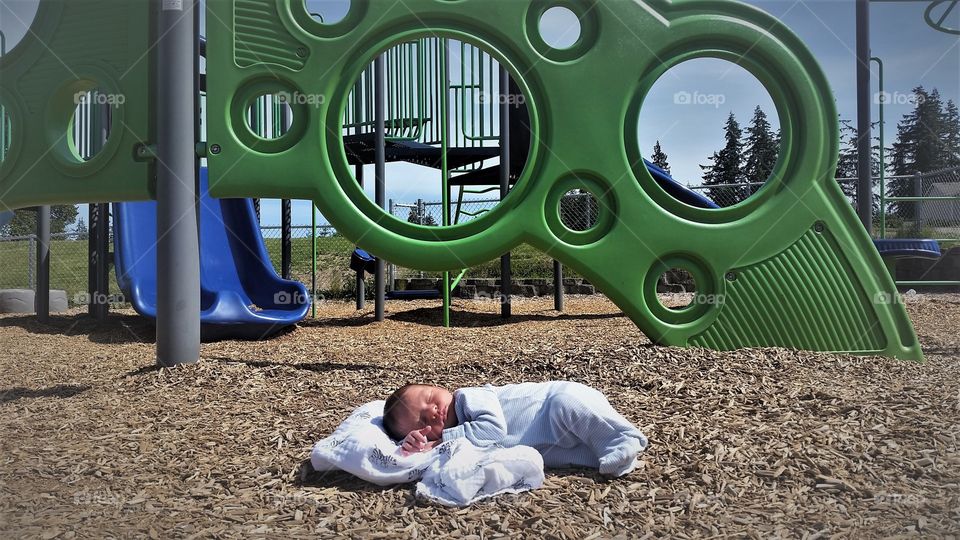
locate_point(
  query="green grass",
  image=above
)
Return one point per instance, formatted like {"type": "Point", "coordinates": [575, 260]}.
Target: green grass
{"type": "Point", "coordinates": [68, 265]}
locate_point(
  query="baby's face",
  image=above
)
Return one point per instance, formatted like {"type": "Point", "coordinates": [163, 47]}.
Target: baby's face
{"type": "Point", "coordinates": [427, 406]}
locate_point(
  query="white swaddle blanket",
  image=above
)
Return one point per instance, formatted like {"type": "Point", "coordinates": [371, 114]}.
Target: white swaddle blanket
{"type": "Point", "coordinates": [455, 473]}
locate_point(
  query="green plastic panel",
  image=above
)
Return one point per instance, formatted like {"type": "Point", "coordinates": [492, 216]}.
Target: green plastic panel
{"type": "Point", "coordinates": [71, 48]}
{"type": "Point", "coordinates": [789, 267]}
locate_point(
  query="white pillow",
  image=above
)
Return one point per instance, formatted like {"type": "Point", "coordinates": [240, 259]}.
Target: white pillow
{"type": "Point", "coordinates": [361, 447]}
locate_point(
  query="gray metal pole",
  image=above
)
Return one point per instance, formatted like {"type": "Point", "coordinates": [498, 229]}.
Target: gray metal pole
{"type": "Point", "coordinates": [361, 286]}
{"type": "Point", "coordinates": [103, 264]}
{"type": "Point", "coordinates": [557, 286]}
{"type": "Point", "coordinates": [286, 238]}
{"type": "Point", "coordinates": [864, 132]}
{"type": "Point", "coordinates": [506, 274]}
{"type": "Point", "coordinates": [380, 111]}
{"type": "Point", "coordinates": [178, 249]}
{"type": "Point", "coordinates": [392, 268]}
{"type": "Point", "coordinates": [42, 302]}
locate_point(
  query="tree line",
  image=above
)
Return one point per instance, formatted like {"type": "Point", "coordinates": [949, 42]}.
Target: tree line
{"type": "Point", "coordinates": [927, 140]}
{"type": "Point", "coordinates": [736, 171]}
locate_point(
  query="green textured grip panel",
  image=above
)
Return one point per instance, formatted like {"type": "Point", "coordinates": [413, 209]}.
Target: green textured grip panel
{"type": "Point", "coordinates": [765, 278]}
{"type": "Point", "coordinates": [71, 48]}
{"type": "Point", "coordinates": [261, 39]}
{"type": "Point", "coordinates": [817, 303]}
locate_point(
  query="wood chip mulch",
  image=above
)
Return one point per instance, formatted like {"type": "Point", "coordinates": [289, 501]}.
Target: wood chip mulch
{"type": "Point", "coordinates": [96, 442]}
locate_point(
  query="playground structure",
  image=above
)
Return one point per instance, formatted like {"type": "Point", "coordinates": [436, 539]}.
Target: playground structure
{"type": "Point", "coordinates": [789, 267]}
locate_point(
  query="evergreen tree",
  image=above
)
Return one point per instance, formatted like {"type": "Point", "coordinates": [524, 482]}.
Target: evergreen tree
{"type": "Point", "coordinates": [659, 158]}
{"type": "Point", "coordinates": [922, 145]}
{"type": "Point", "coordinates": [727, 167]}
{"type": "Point", "coordinates": [848, 165]}
{"type": "Point", "coordinates": [425, 219]}
{"type": "Point", "coordinates": [951, 138]}
{"type": "Point", "coordinates": [25, 221]}
{"type": "Point", "coordinates": [762, 148]}
{"type": "Point", "coordinates": [80, 227]}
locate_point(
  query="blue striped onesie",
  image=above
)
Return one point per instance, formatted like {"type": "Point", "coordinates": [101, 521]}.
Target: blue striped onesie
{"type": "Point", "coordinates": [567, 422]}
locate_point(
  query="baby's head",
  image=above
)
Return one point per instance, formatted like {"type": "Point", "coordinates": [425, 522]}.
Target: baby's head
{"type": "Point", "coordinates": [416, 406]}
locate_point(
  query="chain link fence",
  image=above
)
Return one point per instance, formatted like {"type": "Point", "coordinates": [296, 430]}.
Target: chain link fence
{"type": "Point", "coordinates": [578, 211]}
{"type": "Point", "coordinates": [927, 205]}
{"type": "Point", "coordinates": [931, 210]}
{"type": "Point", "coordinates": [68, 265]}
{"type": "Point", "coordinates": [334, 279]}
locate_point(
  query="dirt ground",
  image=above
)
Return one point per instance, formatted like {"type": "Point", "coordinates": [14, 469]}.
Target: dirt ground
{"type": "Point", "coordinates": [97, 442]}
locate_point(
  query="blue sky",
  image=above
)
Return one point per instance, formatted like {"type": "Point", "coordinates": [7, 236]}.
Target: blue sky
{"type": "Point", "coordinates": [914, 54]}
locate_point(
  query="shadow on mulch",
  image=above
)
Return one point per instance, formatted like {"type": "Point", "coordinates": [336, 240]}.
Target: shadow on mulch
{"type": "Point", "coordinates": [316, 367]}
{"type": "Point", "coordinates": [337, 479]}
{"type": "Point", "coordinates": [362, 319]}
{"type": "Point", "coordinates": [942, 351]}
{"type": "Point", "coordinates": [60, 391]}
{"type": "Point", "coordinates": [118, 328]}
{"type": "Point", "coordinates": [433, 316]}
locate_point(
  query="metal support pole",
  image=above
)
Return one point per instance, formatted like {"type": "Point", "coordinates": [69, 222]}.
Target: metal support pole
{"type": "Point", "coordinates": [557, 286]}
{"type": "Point", "coordinates": [864, 135]}
{"type": "Point", "coordinates": [178, 247]}
{"type": "Point", "coordinates": [506, 273]}
{"type": "Point", "coordinates": [42, 303]}
{"type": "Point", "coordinates": [98, 277]}
{"type": "Point", "coordinates": [286, 238]}
{"type": "Point", "coordinates": [92, 258]}
{"type": "Point", "coordinates": [360, 290]}
{"type": "Point", "coordinates": [313, 260]}
{"type": "Point", "coordinates": [392, 268]}
{"type": "Point", "coordinates": [103, 262]}
{"type": "Point", "coordinates": [380, 111]}
{"type": "Point", "coordinates": [883, 164]}
{"type": "Point", "coordinates": [444, 164]}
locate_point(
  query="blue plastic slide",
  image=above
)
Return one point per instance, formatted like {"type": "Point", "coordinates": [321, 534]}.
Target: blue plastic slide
{"type": "Point", "coordinates": [241, 296]}
{"type": "Point", "coordinates": [678, 190]}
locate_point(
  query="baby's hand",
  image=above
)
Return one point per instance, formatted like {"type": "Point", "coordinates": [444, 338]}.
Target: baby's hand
{"type": "Point", "coordinates": [416, 441]}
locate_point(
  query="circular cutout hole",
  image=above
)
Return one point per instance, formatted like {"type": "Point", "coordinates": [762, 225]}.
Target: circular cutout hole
{"type": "Point", "coordinates": [17, 18]}
{"type": "Point", "coordinates": [677, 289]}
{"type": "Point", "coordinates": [711, 131]}
{"type": "Point", "coordinates": [269, 116]}
{"type": "Point", "coordinates": [560, 27]}
{"type": "Point", "coordinates": [91, 122]}
{"type": "Point", "coordinates": [579, 210]}
{"type": "Point", "coordinates": [327, 12]}
{"type": "Point", "coordinates": [414, 119]}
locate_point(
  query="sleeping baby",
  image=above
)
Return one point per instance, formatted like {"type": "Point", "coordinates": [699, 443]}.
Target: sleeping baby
{"type": "Point", "coordinates": [567, 422]}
